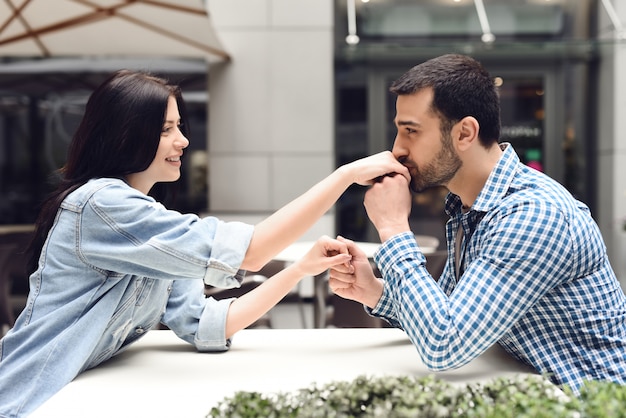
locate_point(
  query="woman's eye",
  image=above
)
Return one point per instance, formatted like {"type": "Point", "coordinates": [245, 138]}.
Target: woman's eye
{"type": "Point", "coordinates": [169, 128]}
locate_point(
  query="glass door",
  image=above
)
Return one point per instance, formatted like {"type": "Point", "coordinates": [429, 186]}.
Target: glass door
{"type": "Point", "coordinates": [530, 119]}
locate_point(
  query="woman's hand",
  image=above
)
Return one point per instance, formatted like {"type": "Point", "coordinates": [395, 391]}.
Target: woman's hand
{"type": "Point", "coordinates": [325, 253]}
{"type": "Point", "coordinates": [367, 170]}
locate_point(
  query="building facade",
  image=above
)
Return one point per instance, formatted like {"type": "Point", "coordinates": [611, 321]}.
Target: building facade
{"type": "Point", "coordinates": [296, 100]}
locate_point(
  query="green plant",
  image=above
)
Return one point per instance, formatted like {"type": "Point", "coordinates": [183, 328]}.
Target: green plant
{"type": "Point", "coordinates": [604, 399]}
{"type": "Point", "coordinates": [409, 396]}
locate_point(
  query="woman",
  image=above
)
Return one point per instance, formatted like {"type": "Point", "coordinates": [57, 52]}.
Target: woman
{"type": "Point", "coordinates": [112, 262]}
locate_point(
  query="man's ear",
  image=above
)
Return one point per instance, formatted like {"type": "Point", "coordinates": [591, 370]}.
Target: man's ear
{"type": "Point", "coordinates": [466, 132]}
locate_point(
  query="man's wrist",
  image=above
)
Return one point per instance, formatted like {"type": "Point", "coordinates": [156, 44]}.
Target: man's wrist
{"type": "Point", "coordinates": [389, 231]}
{"type": "Point", "coordinates": [375, 294]}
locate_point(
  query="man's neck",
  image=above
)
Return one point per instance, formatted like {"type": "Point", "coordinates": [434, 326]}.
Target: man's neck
{"type": "Point", "coordinates": [470, 179]}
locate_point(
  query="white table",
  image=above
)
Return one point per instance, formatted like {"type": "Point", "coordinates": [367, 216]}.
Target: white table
{"type": "Point", "coordinates": [297, 250]}
{"type": "Point", "coordinates": [162, 376]}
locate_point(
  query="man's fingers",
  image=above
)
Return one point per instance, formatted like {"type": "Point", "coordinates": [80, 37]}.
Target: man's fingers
{"type": "Point", "coordinates": [335, 284]}
{"type": "Point", "coordinates": [345, 277]}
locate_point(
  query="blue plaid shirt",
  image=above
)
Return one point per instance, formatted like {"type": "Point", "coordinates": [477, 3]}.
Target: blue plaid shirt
{"type": "Point", "coordinates": [534, 278]}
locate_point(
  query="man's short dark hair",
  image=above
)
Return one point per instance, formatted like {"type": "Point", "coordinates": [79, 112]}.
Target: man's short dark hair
{"type": "Point", "coordinates": [461, 87]}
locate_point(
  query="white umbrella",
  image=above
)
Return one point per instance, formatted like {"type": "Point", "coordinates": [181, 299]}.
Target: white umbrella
{"type": "Point", "coordinates": [45, 28]}
{"type": "Point", "coordinates": [40, 77]}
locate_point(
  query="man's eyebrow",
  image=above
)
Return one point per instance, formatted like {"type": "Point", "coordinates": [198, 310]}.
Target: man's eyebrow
{"type": "Point", "coordinates": [407, 123]}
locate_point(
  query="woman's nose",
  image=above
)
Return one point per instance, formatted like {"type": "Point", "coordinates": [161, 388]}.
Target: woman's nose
{"type": "Point", "coordinates": [181, 140]}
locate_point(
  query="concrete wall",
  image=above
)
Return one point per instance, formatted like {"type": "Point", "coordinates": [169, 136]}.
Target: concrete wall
{"type": "Point", "coordinates": [271, 116]}
{"type": "Point", "coordinates": [612, 143]}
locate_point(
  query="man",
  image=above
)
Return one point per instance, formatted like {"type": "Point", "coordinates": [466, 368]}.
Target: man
{"type": "Point", "coordinates": [527, 267]}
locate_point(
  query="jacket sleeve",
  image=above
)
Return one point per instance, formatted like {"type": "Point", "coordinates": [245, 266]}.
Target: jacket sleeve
{"type": "Point", "coordinates": [131, 233]}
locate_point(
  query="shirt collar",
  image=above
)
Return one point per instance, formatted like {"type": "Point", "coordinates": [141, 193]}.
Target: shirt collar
{"type": "Point", "coordinates": [496, 186]}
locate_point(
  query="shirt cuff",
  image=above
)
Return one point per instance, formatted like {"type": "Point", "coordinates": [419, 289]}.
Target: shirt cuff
{"type": "Point", "coordinates": [392, 252]}
{"type": "Point", "coordinates": [211, 334]}
{"type": "Point", "coordinates": [382, 307]}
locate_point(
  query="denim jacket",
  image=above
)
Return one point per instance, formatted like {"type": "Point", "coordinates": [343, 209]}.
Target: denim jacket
{"type": "Point", "coordinates": [114, 265]}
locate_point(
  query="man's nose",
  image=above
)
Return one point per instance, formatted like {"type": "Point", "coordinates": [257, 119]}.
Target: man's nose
{"type": "Point", "coordinates": [397, 151]}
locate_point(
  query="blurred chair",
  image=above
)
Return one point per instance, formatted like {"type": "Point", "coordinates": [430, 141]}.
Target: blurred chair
{"type": "Point", "coordinates": [427, 243]}
{"type": "Point", "coordinates": [345, 313]}
{"type": "Point", "coordinates": [249, 282]}
{"type": "Point", "coordinates": [436, 262]}
{"type": "Point", "coordinates": [253, 280]}
{"type": "Point", "coordinates": [6, 307]}
{"type": "Point", "coordinates": [13, 272]}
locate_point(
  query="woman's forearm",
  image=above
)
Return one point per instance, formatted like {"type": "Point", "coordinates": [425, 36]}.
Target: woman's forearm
{"type": "Point", "coordinates": [253, 305]}
{"type": "Point", "coordinates": [290, 222]}
{"type": "Point", "coordinates": [325, 253]}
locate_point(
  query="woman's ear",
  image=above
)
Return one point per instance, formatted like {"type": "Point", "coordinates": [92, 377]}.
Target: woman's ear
{"type": "Point", "coordinates": [467, 132]}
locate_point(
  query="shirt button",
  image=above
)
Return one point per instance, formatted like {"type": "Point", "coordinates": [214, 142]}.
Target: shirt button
{"type": "Point", "coordinates": [139, 331]}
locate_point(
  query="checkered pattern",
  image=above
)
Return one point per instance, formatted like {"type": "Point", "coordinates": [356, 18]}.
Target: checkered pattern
{"type": "Point", "coordinates": [535, 278]}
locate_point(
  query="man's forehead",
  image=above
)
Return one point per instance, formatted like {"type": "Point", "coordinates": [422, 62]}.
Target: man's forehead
{"type": "Point", "coordinates": [414, 109]}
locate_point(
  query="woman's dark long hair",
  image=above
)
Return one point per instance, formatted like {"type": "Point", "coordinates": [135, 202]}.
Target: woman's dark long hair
{"type": "Point", "coordinates": [118, 135]}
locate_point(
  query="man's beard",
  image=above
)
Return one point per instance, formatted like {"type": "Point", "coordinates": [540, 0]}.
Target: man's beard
{"type": "Point", "coordinates": [439, 171]}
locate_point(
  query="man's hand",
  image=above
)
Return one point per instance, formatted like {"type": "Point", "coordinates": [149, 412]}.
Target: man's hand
{"type": "Point", "coordinates": [356, 281]}
{"type": "Point", "coordinates": [388, 205]}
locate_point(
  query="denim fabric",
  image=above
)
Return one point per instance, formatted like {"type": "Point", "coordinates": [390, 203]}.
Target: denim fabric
{"type": "Point", "coordinates": [115, 264]}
